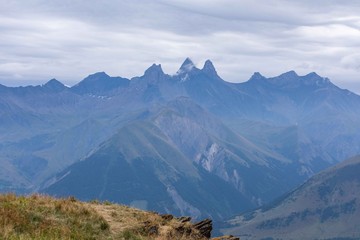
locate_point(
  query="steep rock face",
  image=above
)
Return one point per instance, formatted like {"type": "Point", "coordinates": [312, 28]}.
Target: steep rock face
{"type": "Point", "coordinates": [138, 167]}
{"type": "Point", "coordinates": [210, 69]}
{"type": "Point", "coordinates": [205, 140]}
{"type": "Point", "coordinates": [325, 207]}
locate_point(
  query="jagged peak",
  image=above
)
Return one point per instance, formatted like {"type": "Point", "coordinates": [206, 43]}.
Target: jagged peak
{"type": "Point", "coordinates": [208, 65]}
{"type": "Point", "coordinates": [187, 66]}
{"type": "Point", "coordinates": [155, 68]}
{"type": "Point", "coordinates": [256, 76]}
{"type": "Point", "coordinates": [187, 62]}
{"type": "Point", "coordinates": [209, 68]}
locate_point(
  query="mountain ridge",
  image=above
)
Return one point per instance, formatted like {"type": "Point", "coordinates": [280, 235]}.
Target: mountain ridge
{"type": "Point", "coordinates": [254, 140]}
{"type": "Point", "coordinates": [188, 66]}
{"type": "Point", "coordinates": [325, 207]}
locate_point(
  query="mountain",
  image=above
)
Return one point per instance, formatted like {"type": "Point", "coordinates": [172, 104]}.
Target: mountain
{"type": "Point", "coordinates": [325, 207]}
{"type": "Point", "coordinates": [178, 147]}
{"type": "Point", "coordinates": [290, 98]}
{"type": "Point", "coordinates": [311, 104]}
{"type": "Point", "coordinates": [206, 88]}
{"type": "Point", "coordinates": [237, 145]}
{"type": "Point", "coordinates": [147, 164]}
{"type": "Point", "coordinates": [99, 83]}
{"type": "Point", "coordinates": [54, 85]}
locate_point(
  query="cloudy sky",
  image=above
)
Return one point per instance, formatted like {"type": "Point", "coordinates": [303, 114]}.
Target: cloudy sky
{"type": "Point", "coordinates": [70, 39]}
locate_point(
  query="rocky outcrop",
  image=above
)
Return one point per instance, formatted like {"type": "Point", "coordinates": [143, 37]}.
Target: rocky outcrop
{"type": "Point", "coordinates": [184, 219]}
{"type": "Point", "coordinates": [204, 227]}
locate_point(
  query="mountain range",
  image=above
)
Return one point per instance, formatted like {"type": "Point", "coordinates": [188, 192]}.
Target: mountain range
{"type": "Point", "coordinates": [324, 207]}
{"type": "Point", "coordinates": [188, 143]}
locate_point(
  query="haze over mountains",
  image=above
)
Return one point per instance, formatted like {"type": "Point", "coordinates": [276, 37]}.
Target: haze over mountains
{"type": "Point", "coordinates": [189, 143]}
{"type": "Point", "coordinates": [325, 207]}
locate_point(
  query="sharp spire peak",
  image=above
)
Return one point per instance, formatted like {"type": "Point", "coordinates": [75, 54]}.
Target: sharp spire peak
{"type": "Point", "coordinates": [187, 62]}
{"type": "Point", "coordinates": [209, 68]}
{"type": "Point", "coordinates": [187, 65]}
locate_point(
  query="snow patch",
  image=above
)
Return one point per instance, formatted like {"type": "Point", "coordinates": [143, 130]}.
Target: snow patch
{"type": "Point", "coordinates": [99, 97]}
{"type": "Point", "coordinates": [210, 157]}
{"type": "Point", "coordinates": [185, 69]}
{"type": "Point", "coordinates": [184, 78]}
{"type": "Point", "coordinates": [237, 181]}
{"type": "Point", "coordinates": [305, 171]}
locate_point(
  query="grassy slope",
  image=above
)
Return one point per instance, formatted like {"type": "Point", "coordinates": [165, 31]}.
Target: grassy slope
{"type": "Point", "coordinates": [43, 217]}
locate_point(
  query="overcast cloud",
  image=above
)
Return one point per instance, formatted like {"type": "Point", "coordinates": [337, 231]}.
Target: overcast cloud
{"type": "Point", "coordinates": [70, 39]}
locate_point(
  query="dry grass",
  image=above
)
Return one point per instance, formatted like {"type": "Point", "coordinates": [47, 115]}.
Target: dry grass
{"type": "Point", "coordinates": [43, 217]}
{"type": "Point", "coordinates": [129, 223]}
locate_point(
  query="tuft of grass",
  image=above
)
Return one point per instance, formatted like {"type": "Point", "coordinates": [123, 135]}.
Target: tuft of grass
{"type": "Point", "coordinates": [43, 217]}
{"type": "Point", "coordinates": [95, 201]}
{"type": "Point", "coordinates": [107, 203]}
